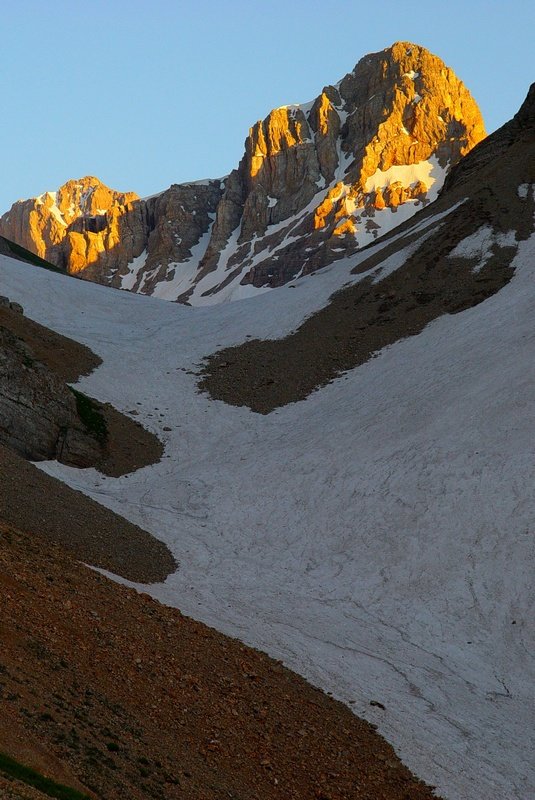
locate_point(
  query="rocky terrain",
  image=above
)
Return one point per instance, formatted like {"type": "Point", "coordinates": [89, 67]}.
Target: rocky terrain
{"type": "Point", "coordinates": [73, 226]}
{"type": "Point", "coordinates": [105, 691]}
{"type": "Point", "coordinates": [481, 202]}
{"type": "Point", "coordinates": [376, 536]}
{"type": "Point", "coordinates": [39, 419]}
{"type": "Point", "coordinates": [316, 182]}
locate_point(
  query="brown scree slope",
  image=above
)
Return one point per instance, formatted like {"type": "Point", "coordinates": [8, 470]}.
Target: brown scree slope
{"type": "Point", "coordinates": [104, 689]}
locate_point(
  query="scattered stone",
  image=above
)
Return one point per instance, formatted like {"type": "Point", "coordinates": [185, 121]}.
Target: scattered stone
{"type": "Point", "coordinates": [377, 704]}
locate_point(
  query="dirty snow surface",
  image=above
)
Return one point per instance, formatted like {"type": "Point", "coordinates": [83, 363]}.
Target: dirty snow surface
{"type": "Point", "coordinates": [378, 537]}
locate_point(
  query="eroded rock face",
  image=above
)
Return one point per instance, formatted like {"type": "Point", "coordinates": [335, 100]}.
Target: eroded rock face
{"type": "Point", "coordinates": [84, 225]}
{"type": "Point", "coordinates": [175, 222]}
{"type": "Point", "coordinates": [38, 413]}
{"type": "Point", "coordinates": [316, 182]}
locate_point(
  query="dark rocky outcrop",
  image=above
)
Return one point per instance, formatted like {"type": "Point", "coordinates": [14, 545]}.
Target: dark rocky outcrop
{"type": "Point", "coordinates": [39, 415]}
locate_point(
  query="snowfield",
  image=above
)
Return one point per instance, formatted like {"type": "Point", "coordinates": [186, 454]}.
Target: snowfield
{"type": "Point", "coordinates": [377, 537]}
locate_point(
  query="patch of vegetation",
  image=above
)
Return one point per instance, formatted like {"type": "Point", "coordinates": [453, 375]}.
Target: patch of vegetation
{"type": "Point", "coordinates": [29, 776]}
{"type": "Point", "coordinates": [20, 253]}
{"type": "Point", "coordinates": [90, 415]}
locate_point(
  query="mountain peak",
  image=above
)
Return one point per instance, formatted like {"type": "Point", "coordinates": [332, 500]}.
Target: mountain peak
{"type": "Point", "coordinates": [526, 114]}
{"type": "Point", "coordinates": [316, 182]}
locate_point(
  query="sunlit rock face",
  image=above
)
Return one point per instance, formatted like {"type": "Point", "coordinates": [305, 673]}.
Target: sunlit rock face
{"type": "Point", "coordinates": [83, 227]}
{"type": "Point", "coordinates": [316, 182]}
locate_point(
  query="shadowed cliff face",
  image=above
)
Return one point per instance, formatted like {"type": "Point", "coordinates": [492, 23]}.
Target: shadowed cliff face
{"type": "Point", "coordinates": [39, 418]}
{"type": "Point", "coordinates": [316, 182]}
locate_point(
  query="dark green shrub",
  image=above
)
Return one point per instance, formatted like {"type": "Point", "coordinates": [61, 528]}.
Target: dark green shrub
{"type": "Point", "coordinates": [30, 777]}
{"type": "Point", "coordinates": [92, 418]}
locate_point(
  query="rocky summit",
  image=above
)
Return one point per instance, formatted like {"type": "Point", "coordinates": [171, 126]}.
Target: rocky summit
{"type": "Point", "coordinates": [316, 182]}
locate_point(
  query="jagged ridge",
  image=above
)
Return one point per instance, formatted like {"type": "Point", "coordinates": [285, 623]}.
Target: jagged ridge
{"type": "Point", "coordinates": [316, 182]}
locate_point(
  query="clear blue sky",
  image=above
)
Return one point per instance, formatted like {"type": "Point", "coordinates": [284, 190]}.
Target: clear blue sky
{"type": "Point", "coordinates": [148, 93]}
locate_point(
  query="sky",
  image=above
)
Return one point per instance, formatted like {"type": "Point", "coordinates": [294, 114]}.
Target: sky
{"type": "Point", "coordinates": [146, 94]}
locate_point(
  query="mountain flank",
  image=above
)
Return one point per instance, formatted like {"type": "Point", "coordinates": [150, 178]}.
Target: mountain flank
{"type": "Point", "coordinates": [13, 250]}
{"type": "Point", "coordinates": [41, 418]}
{"type": "Point", "coordinates": [106, 691]}
{"type": "Point", "coordinates": [484, 206]}
{"type": "Point", "coordinates": [32, 500]}
{"type": "Point", "coordinates": [316, 182]}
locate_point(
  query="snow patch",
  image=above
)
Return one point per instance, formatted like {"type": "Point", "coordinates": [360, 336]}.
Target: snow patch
{"type": "Point", "coordinates": [134, 267]}
{"type": "Point", "coordinates": [43, 199]}
{"type": "Point", "coordinates": [183, 272]}
{"type": "Point", "coordinates": [429, 172]}
{"type": "Point", "coordinates": [523, 191]}
{"type": "Point", "coordinates": [293, 108]}
{"type": "Point", "coordinates": [481, 243]}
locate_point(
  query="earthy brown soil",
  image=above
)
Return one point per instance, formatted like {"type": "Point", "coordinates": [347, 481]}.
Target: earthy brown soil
{"type": "Point", "coordinates": [104, 689]}
{"type": "Point", "coordinates": [67, 358]}
{"type": "Point", "coordinates": [362, 319]}
{"type": "Point", "coordinates": [129, 446]}
{"type": "Point", "coordinates": [32, 500]}
{"type": "Point", "coordinates": [14, 790]}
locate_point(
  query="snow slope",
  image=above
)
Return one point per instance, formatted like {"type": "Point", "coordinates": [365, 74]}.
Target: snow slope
{"type": "Point", "coordinates": [378, 537]}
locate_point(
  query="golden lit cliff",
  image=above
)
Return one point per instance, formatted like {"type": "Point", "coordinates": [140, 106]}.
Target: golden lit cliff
{"type": "Point", "coordinates": [316, 182]}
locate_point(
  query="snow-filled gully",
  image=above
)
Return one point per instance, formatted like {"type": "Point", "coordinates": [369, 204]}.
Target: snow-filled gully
{"type": "Point", "coordinates": [377, 537]}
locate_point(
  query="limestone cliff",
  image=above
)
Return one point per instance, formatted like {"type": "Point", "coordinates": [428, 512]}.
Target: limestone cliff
{"type": "Point", "coordinates": [83, 224]}
{"type": "Point", "coordinates": [316, 182]}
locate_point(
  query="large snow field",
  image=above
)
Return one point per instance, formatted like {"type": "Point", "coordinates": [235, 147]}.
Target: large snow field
{"type": "Point", "coordinates": [377, 537]}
